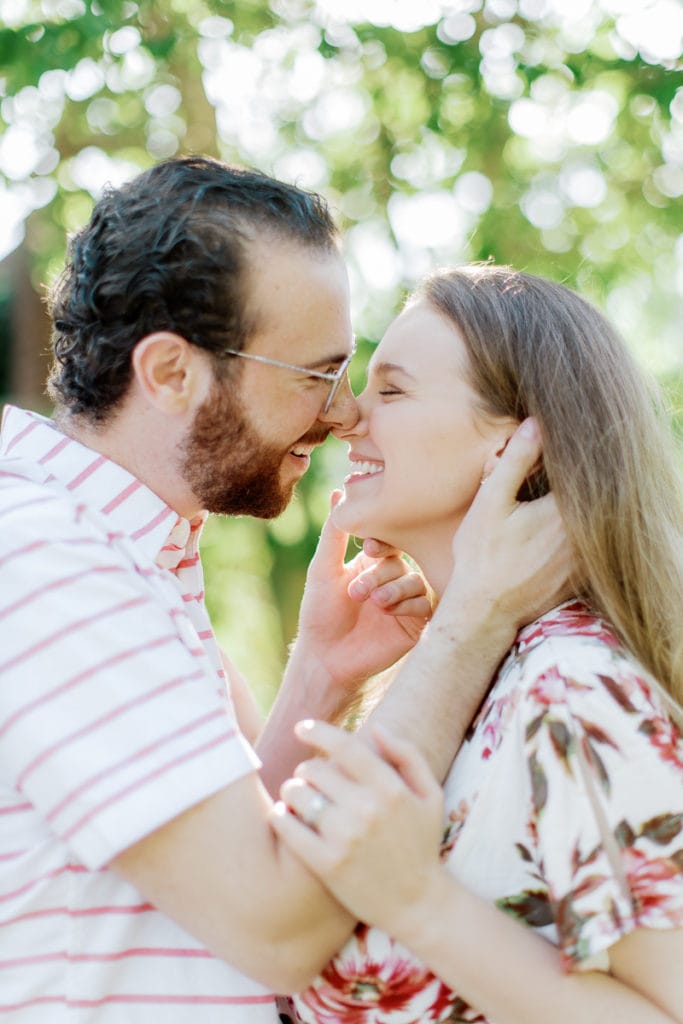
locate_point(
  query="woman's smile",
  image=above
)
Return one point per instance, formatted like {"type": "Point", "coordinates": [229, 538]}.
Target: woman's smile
{"type": "Point", "coordinates": [362, 468]}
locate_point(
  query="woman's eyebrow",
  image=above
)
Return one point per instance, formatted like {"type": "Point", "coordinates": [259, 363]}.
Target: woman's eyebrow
{"type": "Point", "coordinates": [385, 367]}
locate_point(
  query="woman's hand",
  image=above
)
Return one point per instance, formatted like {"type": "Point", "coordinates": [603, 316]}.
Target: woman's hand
{"type": "Point", "coordinates": [368, 824]}
{"type": "Point", "coordinates": [369, 827]}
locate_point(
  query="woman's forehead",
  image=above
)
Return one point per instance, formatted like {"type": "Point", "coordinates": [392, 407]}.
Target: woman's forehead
{"type": "Point", "coordinates": [420, 338]}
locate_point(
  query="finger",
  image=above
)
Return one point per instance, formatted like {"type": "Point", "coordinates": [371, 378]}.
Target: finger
{"type": "Point", "coordinates": [378, 548]}
{"type": "Point", "coordinates": [515, 464]}
{"type": "Point", "coordinates": [369, 577]}
{"type": "Point", "coordinates": [393, 571]}
{"type": "Point", "coordinates": [404, 597]}
{"type": "Point", "coordinates": [542, 521]}
{"type": "Point", "coordinates": [324, 775]}
{"type": "Point", "coordinates": [333, 542]}
{"type": "Point", "coordinates": [350, 754]}
{"type": "Point", "coordinates": [418, 608]}
{"type": "Point", "coordinates": [303, 842]}
{"type": "Point", "coordinates": [305, 801]}
{"type": "Point", "coordinates": [407, 760]}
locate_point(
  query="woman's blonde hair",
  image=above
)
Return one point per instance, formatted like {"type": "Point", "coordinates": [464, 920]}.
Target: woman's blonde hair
{"type": "Point", "coordinates": [538, 349]}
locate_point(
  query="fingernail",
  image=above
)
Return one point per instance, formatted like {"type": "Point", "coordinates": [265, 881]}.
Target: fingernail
{"type": "Point", "coordinates": [529, 428]}
{"type": "Point", "coordinates": [385, 595]}
{"type": "Point", "coordinates": [359, 588]}
{"type": "Point", "coordinates": [305, 725]}
{"type": "Point", "coordinates": [279, 809]}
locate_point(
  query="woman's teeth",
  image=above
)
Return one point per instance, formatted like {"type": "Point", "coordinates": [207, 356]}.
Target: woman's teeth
{"type": "Point", "coordinates": [367, 468]}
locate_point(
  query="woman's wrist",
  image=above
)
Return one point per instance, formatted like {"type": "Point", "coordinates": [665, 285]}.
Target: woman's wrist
{"type": "Point", "coordinates": [416, 923]}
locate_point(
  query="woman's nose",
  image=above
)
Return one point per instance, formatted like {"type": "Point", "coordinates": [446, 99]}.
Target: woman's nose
{"type": "Point", "coordinates": [342, 415]}
{"type": "Point", "coordinates": [357, 426]}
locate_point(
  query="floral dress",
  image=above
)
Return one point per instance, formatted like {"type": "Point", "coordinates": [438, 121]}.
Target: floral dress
{"type": "Point", "coordinates": [564, 806]}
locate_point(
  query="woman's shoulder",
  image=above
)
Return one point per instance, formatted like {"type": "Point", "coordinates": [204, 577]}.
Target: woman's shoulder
{"type": "Point", "coordinates": [573, 622]}
{"type": "Point", "coordinates": [572, 658]}
{"type": "Point", "coordinates": [571, 667]}
{"type": "Point", "coordinates": [574, 646]}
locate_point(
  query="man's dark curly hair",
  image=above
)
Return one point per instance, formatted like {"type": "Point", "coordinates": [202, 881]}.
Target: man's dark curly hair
{"type": "Point", "coordinates": [167, 251]}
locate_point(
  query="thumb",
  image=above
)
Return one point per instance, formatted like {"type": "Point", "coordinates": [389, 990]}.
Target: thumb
{"type": "Point", "coordinates": [520, 457]}
{"type": "Point", "coordinates": [406, 759]}
{"type": "Point", "coordinates": [332, 544]}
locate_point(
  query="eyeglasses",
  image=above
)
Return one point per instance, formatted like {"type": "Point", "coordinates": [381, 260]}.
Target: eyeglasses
{"type": "Point", "coordinates": [335, 377]}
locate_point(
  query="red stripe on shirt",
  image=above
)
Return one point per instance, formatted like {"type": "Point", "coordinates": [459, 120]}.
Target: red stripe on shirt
{"type": "Point", "coordinates": [56, 584]}
{"type": "Point", "coordinates": [26, 550]}
{"type": "Point", "coordinates": [82, 676]}
{"type": "Point", "coordinates": [60, 446]}
{"type": "Point", "coordinates": [16, 808]}
{"type": "Point", "coordinates": [124, 954]}
{"type": "Point", "coordinates": [187, 563]}
{"type": "Point", "coordinates": [159, 518]}
{"type": "Point", "coordinates": [161, 1000]}
{"type": "Point", "coordinates": [41, 500]}
{"type": "Point", "coordinates": [139, 783]}
{"type": "Point", "coordinates": [37, 544]}
{"type": "Point", "coordinates": [103, 911]}
{"type": "Point", "coordinates": [123, 496]}
{"type": "Point", "coordinates": [85, 473]}
{"type": "Point", "coordinates": [55, 873]}
{"type": "Point", "coordinates": [22, 433]}
{"type": "Point", "coordinates": [72, 628]}
{"type": "Point", "coordinates": [139, 754]}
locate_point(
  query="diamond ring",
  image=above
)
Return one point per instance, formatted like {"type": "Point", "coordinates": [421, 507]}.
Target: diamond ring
{"type": "Point", "coordinates": [316, 806]}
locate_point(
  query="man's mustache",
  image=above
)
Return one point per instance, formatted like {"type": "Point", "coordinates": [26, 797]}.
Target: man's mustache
{"type": "Point", "coordinates": [315, 436]}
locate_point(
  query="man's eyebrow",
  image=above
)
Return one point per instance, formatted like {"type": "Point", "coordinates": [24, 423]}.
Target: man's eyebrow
{"type": "Point", "coordinates": [385, 367]}
{"type": "Point", "coordinates": [328, 361]}
{"type": "Point", "coordinates": [331, 360]}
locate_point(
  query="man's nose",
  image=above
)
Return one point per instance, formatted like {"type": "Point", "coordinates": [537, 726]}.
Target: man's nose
{"type": "Point", "coordinates": [342, 415]}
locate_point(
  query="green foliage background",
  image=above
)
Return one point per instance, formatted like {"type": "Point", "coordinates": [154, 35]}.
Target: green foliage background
{"type": "Point", "coordinates": [519, 130]}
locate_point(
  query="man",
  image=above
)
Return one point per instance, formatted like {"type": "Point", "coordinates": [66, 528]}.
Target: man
{"type": "Point", "coordinates": [201, 336]}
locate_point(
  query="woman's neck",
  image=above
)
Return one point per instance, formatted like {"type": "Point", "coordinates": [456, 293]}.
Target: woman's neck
{"type": "Point", "coordinates": [433, 552]}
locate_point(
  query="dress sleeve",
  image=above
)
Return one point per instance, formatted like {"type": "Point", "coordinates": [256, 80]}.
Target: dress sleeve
{"type": "Point", "coordinates": [605, 767]}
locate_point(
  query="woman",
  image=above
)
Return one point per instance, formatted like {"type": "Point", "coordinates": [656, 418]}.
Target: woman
{"type": "Point", "coordinates": [563, 810]}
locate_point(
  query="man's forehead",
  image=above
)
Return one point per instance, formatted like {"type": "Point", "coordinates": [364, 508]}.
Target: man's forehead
{"type": "Point", "coordinates": [299, 298]}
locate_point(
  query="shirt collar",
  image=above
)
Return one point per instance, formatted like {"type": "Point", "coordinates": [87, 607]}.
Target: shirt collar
{"type": "Point", "coordinates": [101, 484]}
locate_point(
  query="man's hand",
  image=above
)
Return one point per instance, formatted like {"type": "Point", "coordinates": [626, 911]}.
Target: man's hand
{"type": "Point", "coordinates": [359, 617]}
{"type": "Point", "coordinates": [356, 619]}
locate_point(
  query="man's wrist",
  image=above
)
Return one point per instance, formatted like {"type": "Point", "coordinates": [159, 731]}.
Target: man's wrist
{"type": "Point", "coordinates": [321, 693]}
{"type": "Point", "coordinates": [471, 622]}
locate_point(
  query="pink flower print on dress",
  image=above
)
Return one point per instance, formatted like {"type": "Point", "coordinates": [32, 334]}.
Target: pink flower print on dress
{"type": "Point", "coordinates": [496, 721]}
{"type": "Point", "coordinates": [372, 981]}
{"type": "Point", "coordinates": [647, 883]}
{"type": "Point", "coordinates": [665, 738]}
{"type": "Point", "coordinates": [457, 817]}
{"type": "Point", "coordinates": [574, 619]}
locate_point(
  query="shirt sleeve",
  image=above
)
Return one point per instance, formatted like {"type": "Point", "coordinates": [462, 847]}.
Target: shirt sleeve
{"type": "Point", "coordinates": [112, 721]}
{"type": "Point", "coordinates": [605, 767]}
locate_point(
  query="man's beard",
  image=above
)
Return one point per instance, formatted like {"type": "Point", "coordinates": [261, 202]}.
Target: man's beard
{"type": "Point", "coordinates": [229, 468]}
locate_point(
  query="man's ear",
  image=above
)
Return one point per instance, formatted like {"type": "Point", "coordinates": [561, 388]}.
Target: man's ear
{"type": "Point", "coordinates": [167, 371]}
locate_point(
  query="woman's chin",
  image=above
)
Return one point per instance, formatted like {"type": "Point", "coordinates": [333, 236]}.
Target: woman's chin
{"type": "Point", "coordinates": [348, 519]}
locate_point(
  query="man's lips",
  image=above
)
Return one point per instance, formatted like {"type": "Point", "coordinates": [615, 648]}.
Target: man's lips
{"type": "Point", "coordinates": [306, 444]}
